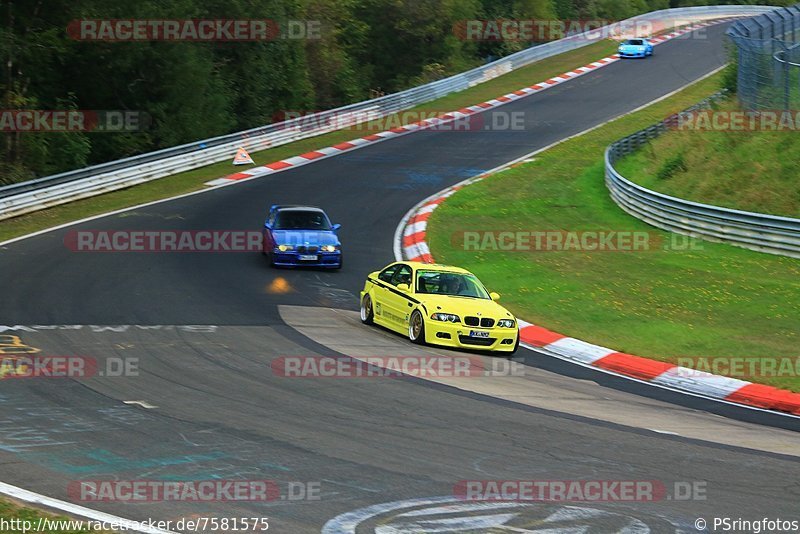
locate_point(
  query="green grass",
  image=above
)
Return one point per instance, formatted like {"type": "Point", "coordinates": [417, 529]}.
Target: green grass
{"type": "Point", "coordinates": [193, 180]}
{"type": "Point", "coordinates": [718, 301]}
{"type": "Point", "coordinates": [10, 511]}
{"type": "Point", "coordinates": [747, 170]}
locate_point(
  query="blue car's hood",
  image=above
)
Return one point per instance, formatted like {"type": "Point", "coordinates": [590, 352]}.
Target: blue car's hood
{"type": "Point", "coordinates": [632, 48]}
{"type": "Point", "coordinates": [305, 237]}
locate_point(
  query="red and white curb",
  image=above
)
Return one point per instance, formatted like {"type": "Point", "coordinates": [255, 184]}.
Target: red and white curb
{"type": "Point", "coordinates": [410, 245]}
{"type": "Point", "coordinates": [659, 373]}
{"type": "Point", "coordinates": [310, 157]}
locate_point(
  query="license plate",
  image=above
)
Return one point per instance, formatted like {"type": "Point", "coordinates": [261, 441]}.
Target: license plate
{"type": "Point", "coordinates": [308, 257]}
{"type": "Point", "coordinates": [477, 333]}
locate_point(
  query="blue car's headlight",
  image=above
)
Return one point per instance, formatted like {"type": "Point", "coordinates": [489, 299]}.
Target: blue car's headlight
{"type": "Point", "coordinates": [284, 248]}
{"type": "Point", "coordinates": [445, 317]}
{"type": "Point", "coordinates": [329, 248]}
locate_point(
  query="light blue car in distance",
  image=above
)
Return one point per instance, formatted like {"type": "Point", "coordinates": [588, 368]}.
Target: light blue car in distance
{"type": "Point", "coordinates": [635, 48]}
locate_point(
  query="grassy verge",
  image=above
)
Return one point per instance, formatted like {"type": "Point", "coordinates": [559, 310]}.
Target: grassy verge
{"type": "Point", "coordinates": [664, 303]}
{"type": "Point", "coordinates": [193, 180]}
{"type": "Point", "coordinates": [748, 170]}
{"type": "Point", "coordinates": [15, 516]}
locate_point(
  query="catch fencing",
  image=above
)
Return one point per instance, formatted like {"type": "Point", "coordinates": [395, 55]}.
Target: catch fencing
{"type": "Point", "coordinates": [768, 49]}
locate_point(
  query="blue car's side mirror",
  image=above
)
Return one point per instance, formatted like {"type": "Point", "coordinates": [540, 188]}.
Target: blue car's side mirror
{"type": "Point", "coordinates": [336, 227]}
{"type": "Point", "coordinates": [266, 224]}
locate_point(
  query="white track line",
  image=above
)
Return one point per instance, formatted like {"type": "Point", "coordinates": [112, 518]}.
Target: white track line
{"type": "Point", "coordinates": [78, 511]}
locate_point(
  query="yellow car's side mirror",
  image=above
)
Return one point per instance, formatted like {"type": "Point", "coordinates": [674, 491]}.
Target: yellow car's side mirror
{"type": "Point", "coordinates": [494, 296]}
{"type": "Point", "coordinates": [405, 288]}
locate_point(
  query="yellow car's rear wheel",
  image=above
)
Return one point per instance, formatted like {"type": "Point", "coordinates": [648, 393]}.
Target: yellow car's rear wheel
{"type": "Point", "coordinates": [416, 328]}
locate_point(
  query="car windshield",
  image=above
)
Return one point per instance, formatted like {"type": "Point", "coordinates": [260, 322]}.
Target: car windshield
{"type": "Point", "coordinates": [301, 220]}
{"type": "Point", "coordinates": [635, 42]}
{"type": "Point", "coordinates": [454, 284]}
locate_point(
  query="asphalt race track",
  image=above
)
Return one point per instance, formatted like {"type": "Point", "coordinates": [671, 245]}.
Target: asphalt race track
{"type": "Point", "coordinates": [207, 404]}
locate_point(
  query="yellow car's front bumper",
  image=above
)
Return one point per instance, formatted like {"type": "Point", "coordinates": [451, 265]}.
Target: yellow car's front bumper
{"type": "Point", "coordinates": [459, 336]}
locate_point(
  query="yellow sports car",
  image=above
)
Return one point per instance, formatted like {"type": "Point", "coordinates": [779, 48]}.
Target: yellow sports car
{"type": "Point", "coordinates": [440, 305]}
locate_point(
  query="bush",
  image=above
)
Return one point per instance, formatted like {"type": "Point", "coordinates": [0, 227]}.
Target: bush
{"type": "Point", "coordinates": [672, 166]}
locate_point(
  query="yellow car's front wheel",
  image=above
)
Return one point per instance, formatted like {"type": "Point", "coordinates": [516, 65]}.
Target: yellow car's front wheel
{"type": "Point", "coordinates": [416, 328]}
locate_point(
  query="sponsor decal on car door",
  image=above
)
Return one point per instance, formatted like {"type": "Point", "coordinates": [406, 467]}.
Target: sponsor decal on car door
{"type": "Point", "coordinates": [397, 307]}
{"type": "Point", "coordinates": [380, 291]}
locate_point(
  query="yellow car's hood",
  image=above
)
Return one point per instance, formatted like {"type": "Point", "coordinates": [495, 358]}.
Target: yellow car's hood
{"type": "Point", "coordinates": [463, 306]}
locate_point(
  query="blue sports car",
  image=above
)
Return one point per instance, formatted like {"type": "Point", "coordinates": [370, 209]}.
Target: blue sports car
{"type": "Point", "coordinates": [301, 236]}
{"type": "Point", "coordinates": [635, 48]}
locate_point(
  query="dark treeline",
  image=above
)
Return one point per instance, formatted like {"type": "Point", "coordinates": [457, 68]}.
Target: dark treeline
{"type": "Point", "coordinates": [193, 91]}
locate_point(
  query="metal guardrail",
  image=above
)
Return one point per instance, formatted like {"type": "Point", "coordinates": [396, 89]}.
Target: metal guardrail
{"type": "Point", "coordinates": [25, 197]}
{"type": "Point", "coordinates": [757, 231]}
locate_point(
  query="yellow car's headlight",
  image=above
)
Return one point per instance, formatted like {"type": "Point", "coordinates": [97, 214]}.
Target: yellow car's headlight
{"type": "Point", "coordinates": [506, 323]}
{"type": "Point", "coordinates": [445, 317]}
{"type": "Point", "coordinates": [284, 248]}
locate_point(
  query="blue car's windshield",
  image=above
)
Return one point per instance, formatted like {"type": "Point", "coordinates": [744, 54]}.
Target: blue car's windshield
{"type": "Point", "coordinates": [301, 220]}
{"type": "Point", "coordinates": [634, 42]}
{"type": "Point", "coordinates": [454, 284]}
